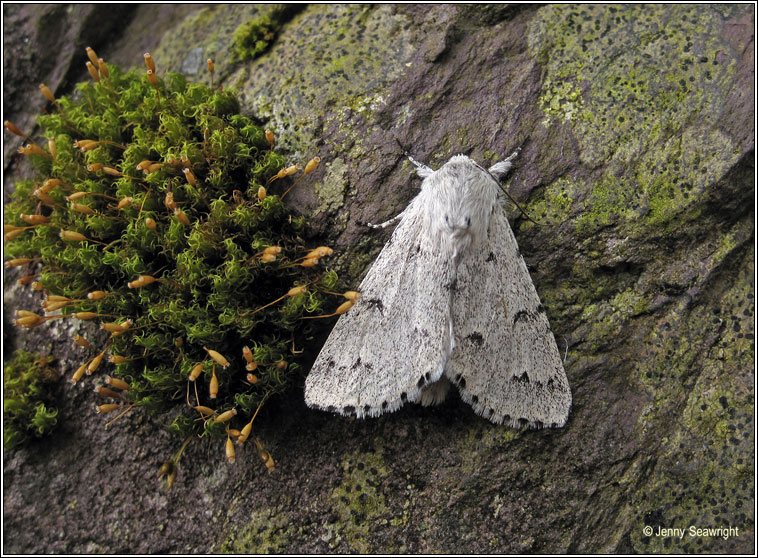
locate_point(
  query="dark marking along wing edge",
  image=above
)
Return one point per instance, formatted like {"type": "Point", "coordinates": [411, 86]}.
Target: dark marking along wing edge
{"type": "Point", "coordinates": [365, 367]}
{"type": "Point", "coordinates": [502, 332]}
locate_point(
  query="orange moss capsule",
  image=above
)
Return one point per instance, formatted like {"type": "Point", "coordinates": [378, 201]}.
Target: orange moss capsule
{"type": "Point", "coordinates": [103, 391]}
{"type": "Point", "coordinates": [29, 322]}
{"type": "Point", "coordinates": [79, 372]}
{"type": "Point", "coordinates": [81, 341]}
{"type": "Point", "coordinates": [266, 457]}
{"type": "Point", "coordinates": [181, 216]}
{"type": "Point", "coordinates": [112, 171]}
{"type": "Point", "coordinates": [117, 359]}
{"type": "Point", "coordinates": [320, 252]}
{"type": "Point", "coordinates": [268, 258]}
{"type": "Point", "coordinates": [13, 129]}
{"type": "Point", "coordinates": [113, 327]}
{"type": "Point", "coordinates": [49, 184]}
{"type": "Point", "coordinates": [52, 148]}
{"type": "Point", "coordinates": [247, 354]}
{"type": "Point", "coordinates": [32, 149]}
{"type": "Point", "coordinates": [311, 165]}
{"type": "Point", "coordinates": [226, 416]}
{"type": "Point", "coordinates": [149, 62]}
{"type": "Point", "coordinates": [282, 364]}
{"type": "Point", "coordinates": [210, 65]}
{"type": "Point", "coordinates": [190, 176]}
{"type": "Point", "coordinates": [25, 280]}
{"type": "Point", "coordinates": [213, 386]}
{"type": "Point", "coordinates": [46, 92]}
{"type": "Point", "coordinates": [287, 171]}
{"type": "Point", "coordinates": [352, 295]}
{"type": "Point", "coordinates": [72, 236]}
{"type": "Point", "coordinates": [229, 450]}
{"type": "Point", "coordinates": [168, 201]}
{"type": "Point", "coordinates": [150, 223]}
{"type": "Point", "coordinates": [34, 219]}
{"type": "Point", "coordinates": [141, 281]}
{"type": "Point", "coordinates": [85, 315]}
{"type": "Point", "coordinates": [94, 167]}
{"type": "Point", "coordinates": [272, 250]}
{"type": "Point", "coordinates": [81, 208]}
{"type": "Point", "coordinates": [96, 295]}
{"type": "Point", "coordinates": [205, 411]}
{"type": "Point", "coordinates": [44, 197]}
{"type": "Point", "coordinates": [344, 307]}
{"type": "Point", "coordinates": [270, 138]}
{"type": "Point", "coordinates": [245, 434]}
{"type": "Point", "coordinates": [76, 196]}
{"type": "Point", "coordinates": [196, 371]}
{"type": "Point", "coordinates": [94, 74]}
{"type": "Point", "coordinates": [95, 363]}
{"type": "Point", "coordinates": [252, 378]}
{"type": "Point", "coordinates": [233, 432]}
{"type": "Point", "coordinates": [124, 202]}
{"type": "Point", "coordinates": [15, 262]}
{"type": "Point", "coordinates": [152, 79]}
{"type": "Point", "coordinates": [108, 408]}
{"type": "Point", "coordinates": [86, 145]}
{"type": "Point", "coordinates": [217, 357]}
{"type": "Point", "coordinates": [294, 291]}
{"type": "Point", "coordinates": [91, 55]}
{"type": "Point", "coordinates": [308, 262]}
{"type": "Point", "coordinates": [103, 67]}
{"type": "Point", "coordinates": [154, 167]}
{"type": "Point", "coordinates": [116, 383]}
{"type": "Point", "coordinates": [261, 193]}
{"type": "Point", "coordinates": [142, 165]}
{"type": "Point", "coordinates": [10, 235]}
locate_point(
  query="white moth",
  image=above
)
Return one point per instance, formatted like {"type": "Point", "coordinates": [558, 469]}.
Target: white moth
{"type": "Point", "coordinates": [448, 300]}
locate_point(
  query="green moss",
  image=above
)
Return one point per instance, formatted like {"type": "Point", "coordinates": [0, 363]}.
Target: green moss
{"type": "Point", "coordinates": [213, 285]}
{"type": "Point", "coordinates": [253, 37]}
{"type": "Point", "coordinates": [28, 409]}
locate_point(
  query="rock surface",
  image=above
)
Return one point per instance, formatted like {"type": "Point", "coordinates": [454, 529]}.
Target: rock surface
{"type": "Point", "coordinates": [637, 161]}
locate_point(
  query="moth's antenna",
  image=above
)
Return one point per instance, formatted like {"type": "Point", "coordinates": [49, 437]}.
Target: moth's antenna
{"type": "Point", "coordinates": [499, 169]}
{"type": "Point", "coordinates": [516, 203]}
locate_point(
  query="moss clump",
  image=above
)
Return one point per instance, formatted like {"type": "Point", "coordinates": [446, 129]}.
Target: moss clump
{"type": "Point", "coordinates": [254, 36]}
{"type": "Point", "coordinates": [27, 408]}
{"type": "Point", "coordinates": [151, 215]}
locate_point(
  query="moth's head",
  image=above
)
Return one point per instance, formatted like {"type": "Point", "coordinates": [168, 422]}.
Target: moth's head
{"type": "Point", "coordinates": [466, 166]}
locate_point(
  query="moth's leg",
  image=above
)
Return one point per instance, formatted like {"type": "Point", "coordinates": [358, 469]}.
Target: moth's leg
{"type": "Point", "coordinates": [499, 169]}
{"type": "Point", "coordinates": [392, 221]}
{"type": "Point", "coordinates": [421, 169]}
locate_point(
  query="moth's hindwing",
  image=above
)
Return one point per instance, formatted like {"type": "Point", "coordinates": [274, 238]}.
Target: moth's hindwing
{"type": "Point", "coordinates": [505, 361]}
{"type": "Point", "coordinates": [397, 337]}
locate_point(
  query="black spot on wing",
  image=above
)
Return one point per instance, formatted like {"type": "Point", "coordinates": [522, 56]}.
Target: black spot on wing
{"type": "Point", "coordinates": [375, 303]}
{"type": "Point", "coordinates": [491, 257]}
{"type": "Point", "coordinates": [521, 315]}
{"type": "Point", "coordinates": [522, 379]}
{"type": "Point", "coordinates": [348, 409]}
{"type": "Point", "coordinates": [475, 339]}
{"type": "Point", "coordinates": [356, 364]}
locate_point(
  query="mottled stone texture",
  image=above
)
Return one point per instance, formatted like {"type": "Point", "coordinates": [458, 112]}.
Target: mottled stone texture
{"type": "Point", "coordinates": [637, 161]}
